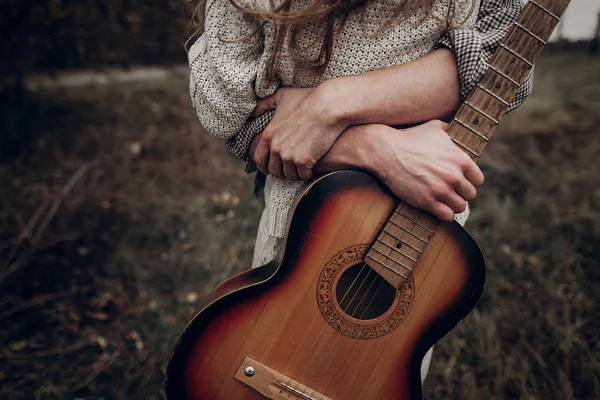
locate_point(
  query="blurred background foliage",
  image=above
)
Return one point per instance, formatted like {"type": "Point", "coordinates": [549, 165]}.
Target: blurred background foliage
{"type": "Point", "coordinates": [53, 35]}
{"type": "Point", "coordinates": [118, 213]}
{"type": "Point", "coordinates": [48, 35]}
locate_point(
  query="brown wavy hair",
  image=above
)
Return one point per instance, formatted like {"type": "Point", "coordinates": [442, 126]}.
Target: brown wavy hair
{"type": "Point", "coordinates": [286, 21]}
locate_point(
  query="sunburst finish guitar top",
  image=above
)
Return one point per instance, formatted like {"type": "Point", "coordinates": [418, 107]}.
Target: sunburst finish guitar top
{"type": "Point", "coordinates": [364, 284]}
{"type": "Point", "coordinates": [303, 322]}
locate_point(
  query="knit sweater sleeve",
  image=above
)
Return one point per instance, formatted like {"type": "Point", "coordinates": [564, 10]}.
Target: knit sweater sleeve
{"type": "Point", "coordinates": [223, 69]}
{"type": "Point", "coordinates": [474, 47]}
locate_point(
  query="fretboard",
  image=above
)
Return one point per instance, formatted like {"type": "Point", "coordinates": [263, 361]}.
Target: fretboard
{"type": "Point", "coordinates": [404, 237]}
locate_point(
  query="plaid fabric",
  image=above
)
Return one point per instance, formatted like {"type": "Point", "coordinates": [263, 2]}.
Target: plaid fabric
{"type": "Point", "coordinates": [239, 145]}
{"type": "Point", "coordinates": [473, 48]}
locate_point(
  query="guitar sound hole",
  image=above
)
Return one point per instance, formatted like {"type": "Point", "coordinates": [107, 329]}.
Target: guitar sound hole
{"type": "Point", "coordinates": [363, 294]}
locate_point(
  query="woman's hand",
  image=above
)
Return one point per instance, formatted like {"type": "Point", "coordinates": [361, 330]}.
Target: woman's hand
{"type": "Point", "coordinates": [302, 130]}
{"type": "Point", "coordinates": [421, 165]}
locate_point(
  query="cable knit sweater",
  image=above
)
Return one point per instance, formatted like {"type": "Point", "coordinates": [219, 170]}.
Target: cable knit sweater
{"type": "Point", "coordinates": [229, 65]}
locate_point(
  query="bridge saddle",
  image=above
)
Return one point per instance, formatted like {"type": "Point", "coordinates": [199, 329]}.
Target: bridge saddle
{"type": "Point", "coordinates": [272, 384]}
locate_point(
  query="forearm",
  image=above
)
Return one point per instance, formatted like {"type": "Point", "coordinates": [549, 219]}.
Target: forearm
{"type": "Point", "coordinates": [354, 149]}
{"type": "Point", "coordinates": [409, 93]}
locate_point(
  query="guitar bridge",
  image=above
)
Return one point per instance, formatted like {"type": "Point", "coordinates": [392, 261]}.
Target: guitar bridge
{"type": "Point", "coordinates": [274, 385]}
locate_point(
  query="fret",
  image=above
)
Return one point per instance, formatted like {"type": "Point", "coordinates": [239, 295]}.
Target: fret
{"type": "Point", "coordinates": [537, 22]}
{"type": "Point", "coordinates": [414, 222]}
{"type": "Point", "coordinates": [481, 136]}
{"type": "Point", "coordinates": [494, 120]}
{"type": "Point", "coordinates": [471, 129]}
{"type": "Point", "coordinates": [477, 121]}
{"type": "Point", "coordinates": [499, 85]}
{"type": "Point", "coordinates": [539, 39]}
{"type": "Point", "coordinates": [386, 266]}
{"type": "Point", "coordinates": [465, 148]}
{"type": "Point", "coordinates": [514, 53]}
{"type": "Point", "coordinates": [401, 241]}
{"type": "Point", "coordinates": [494, 95]}
{"type": "Point", "coordinates": [550, 13]}
{"type": "Point", "coordinates": [487, 104]}
{"type": "Point", "coordinates": [392, 259]}
{"type": "Point", "coordinates": [396, 250]}
{"type": "Point", "coordinates": [409, 232]}
{"type": "Point", "coordinates": [526, 46]}
{"type": "Point", "coordinates": [508, 78]}
{"type": "Point", "coordinates": [506, 62]}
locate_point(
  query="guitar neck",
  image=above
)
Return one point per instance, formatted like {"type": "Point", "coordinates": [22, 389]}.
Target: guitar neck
{"type": "Point", "coordinates": [403, 239]}
{"type": "Point", "coordinates": [478, 116]}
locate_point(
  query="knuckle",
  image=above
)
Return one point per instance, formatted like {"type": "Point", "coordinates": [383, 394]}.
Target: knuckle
{"type": "Point", "coordinates": [267, 135]}
{"type": "Point", "coordinates": [453, 178]}
{"type": "Point", "coordinates": [303, 162]}
{"type": "Point", "coordinates": [259, 160]}
{"type": "Point", "coordinates": [275, 149]}
{"type": "Point", "coordinates": [465, 161]}
{"type": "Point", "coordinates": [438, 190]}
{"type": "Point", "coordinates": [285, 156]}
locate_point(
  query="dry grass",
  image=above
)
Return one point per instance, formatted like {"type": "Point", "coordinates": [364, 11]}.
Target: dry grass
{"type": "Point", "coordinates": [120, 214]}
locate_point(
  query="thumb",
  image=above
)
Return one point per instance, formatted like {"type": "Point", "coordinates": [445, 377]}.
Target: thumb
{"type": "Point", "coordinates": [264, 105]}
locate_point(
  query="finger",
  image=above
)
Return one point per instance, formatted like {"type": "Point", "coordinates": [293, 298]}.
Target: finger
{"type": "Point", "coordinates": [304, 173]}
{"type": "Point", "coordinates": [466, 190]}
{"type": "Point", "coordinates": [261, 156]}
{"type": "Point", "coordinates": [455, 202]}
{"type": "Point", "coordinates": [276, 166]}
{"type": "Point", "coordinates": [474, 175]}
{"type": "Point", "coordinates": [264, 105]}
{"type": "Point", "coordinates": [442, 212]}
{"type": "Point", "coordinates": [290, 172]}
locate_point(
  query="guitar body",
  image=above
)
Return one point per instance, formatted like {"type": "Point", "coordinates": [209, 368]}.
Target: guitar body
{"type": "Point", "coordinates": [318, 315]}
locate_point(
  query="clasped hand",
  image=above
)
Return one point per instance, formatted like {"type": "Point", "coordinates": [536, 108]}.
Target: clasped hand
{"type": "Point", "coordinates": [302, 130]}
{"type": "Point", "coordinates": [420, 165]}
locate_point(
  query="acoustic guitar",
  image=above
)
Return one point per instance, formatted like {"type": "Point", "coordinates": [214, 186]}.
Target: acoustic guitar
{"type": "Point", "coordinates": [364, 284]}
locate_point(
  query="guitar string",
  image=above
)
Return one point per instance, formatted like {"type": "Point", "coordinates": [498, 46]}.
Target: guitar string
{"type": "Point", "coordinates": [323, 328]}
{"type": "Point", "coordinates": [366, 308]}
{"type": "Point", "coordinates": [320, 353]}
{"type": "Point", "coordinates": [321, 331]}
{"type": "Point", "coordinates": [349, 352]}
{"type": "Point", "coordinates": [379, 286]}
{"type": "Point", "coordinates": [315, 360]}
{"type": "Point", "coordinates": [329, 319]}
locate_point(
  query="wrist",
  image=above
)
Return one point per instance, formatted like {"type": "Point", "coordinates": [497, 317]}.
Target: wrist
{"type": "Point", "coordinates": [335, 96]}
{"type": "Point", "coordinates": [374, 150]}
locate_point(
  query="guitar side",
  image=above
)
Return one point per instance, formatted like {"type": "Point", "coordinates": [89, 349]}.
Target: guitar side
{"type": "Point", "coordinates": [278, 315]}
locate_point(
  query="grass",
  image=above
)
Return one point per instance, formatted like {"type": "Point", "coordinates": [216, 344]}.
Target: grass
{"type": "Point", "coordinates": [120, 213]}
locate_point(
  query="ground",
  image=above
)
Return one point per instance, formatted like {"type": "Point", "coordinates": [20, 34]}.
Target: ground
{"type": "Point", "coordinates": [118, 213]}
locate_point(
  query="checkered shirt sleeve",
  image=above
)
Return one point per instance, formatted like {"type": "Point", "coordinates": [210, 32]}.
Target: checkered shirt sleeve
{"type": "Point", "coordinates": [239, 145]}
{"type": "Point", "coordinates": [473, 48]}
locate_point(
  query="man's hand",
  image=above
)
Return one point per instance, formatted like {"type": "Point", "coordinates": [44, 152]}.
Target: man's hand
{"type": "Point", "coordinates": [421, 165]}
{"type": "Point", "coordinates": [302, 130]}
